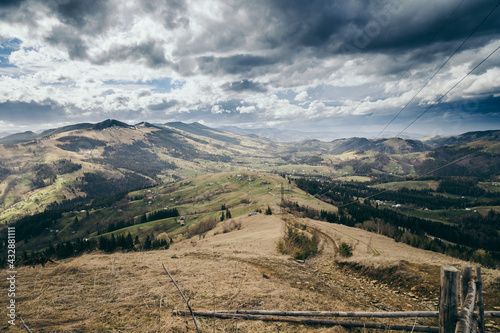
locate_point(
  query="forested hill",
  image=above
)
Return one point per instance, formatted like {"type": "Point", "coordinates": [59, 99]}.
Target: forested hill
{"type": "Point", "coordinates": [88, 161]}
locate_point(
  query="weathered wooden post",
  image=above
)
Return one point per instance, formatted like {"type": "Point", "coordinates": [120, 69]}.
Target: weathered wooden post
{"type": "Point", "coordinates": [448, 307]}
{"type": "Point", "coordinates": [479, 290]}
{"type": "Point", "coordinates": [466, 323]}
{"type": "Point", "coordinates": [464, 283]}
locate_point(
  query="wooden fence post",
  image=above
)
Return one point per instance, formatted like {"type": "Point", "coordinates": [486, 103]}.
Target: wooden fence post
{"type": "Point", "coordinates": [465, 277]}
{"type": "Point", "coordinates": [448, 305]}
{"type": "Point", "coordinates": [466, 316]}
{"type": "Point", "coordinates": [479, 290]}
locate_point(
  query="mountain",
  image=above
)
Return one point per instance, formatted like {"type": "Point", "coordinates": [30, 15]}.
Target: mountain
{"type": "Point", "coordinates": [202, 130]}
{"type": "Point", "coordinates": [30, 136]}
{"type": "Point", "coordinates": [288, 135]}
{"type": "Point", "coordinates": [19, 137]}
{"type": "Point", "coordinates": [435, 142]}
{"type": "Point", "coordinates": [387, 146]}
{"type": "Point", "coordinates": [84, 162]}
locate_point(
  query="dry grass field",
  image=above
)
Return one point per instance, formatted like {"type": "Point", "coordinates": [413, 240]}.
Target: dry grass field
{"type": "Point", "coordinates": [239, 269]}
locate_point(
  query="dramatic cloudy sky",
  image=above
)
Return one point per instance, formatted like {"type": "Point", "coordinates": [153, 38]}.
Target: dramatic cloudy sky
{"type": "Point", "coordinates": [339, 66]}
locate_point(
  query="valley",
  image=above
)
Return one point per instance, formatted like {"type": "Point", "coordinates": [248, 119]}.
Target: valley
{"type": "Point", "coordinates": [110, 202]}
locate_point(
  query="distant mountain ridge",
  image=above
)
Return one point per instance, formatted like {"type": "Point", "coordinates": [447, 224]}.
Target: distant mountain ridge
{"type": "Point", "coordinates": [30, 136]}
{"type": "Point", "coordinates": [85, 161]}
{"type": "Point", "coordinates": [491, 135]}
{"type": "Point", "coordinates": [391, 145]}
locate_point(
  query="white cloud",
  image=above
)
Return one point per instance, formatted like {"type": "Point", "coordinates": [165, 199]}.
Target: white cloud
{"type": "Point", "coordinates": [109, 67]}
{"type": "Point", "coordinates": [246, 109]}
{"type": "Point", "coordinates": [301, 97]}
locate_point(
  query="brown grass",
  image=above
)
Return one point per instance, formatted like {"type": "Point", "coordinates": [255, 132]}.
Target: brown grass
{"type": "Point", "coordinates": [130, 292]}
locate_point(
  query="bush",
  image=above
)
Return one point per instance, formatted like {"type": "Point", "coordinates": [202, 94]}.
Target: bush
{"type": "Point", "coordinates": [201, 228]}
{"type": "Point", "coordinates": [345, 250]}
{"type": "Point", "coordinates": [230, 226]}
{"type": "Point", "coordinates": [296, 243]}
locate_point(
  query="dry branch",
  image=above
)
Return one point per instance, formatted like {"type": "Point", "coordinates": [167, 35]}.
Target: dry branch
{"type": "Point", "coordinates": [307, 321]}
{"type": "Point", "coordinates": [185, 300]}
{"type": "Point", "coordinates": [25, 326]}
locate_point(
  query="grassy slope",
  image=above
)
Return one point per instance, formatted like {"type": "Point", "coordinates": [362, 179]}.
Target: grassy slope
{"type": "Point", "coordinates": [17, 189]}
{"type": "Point", "coordinates": [235, 270]}
{"type": "Point", "coordinates": [197, 199]}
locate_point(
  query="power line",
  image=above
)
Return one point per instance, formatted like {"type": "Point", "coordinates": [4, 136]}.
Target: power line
{"type": "Point", "coordinates": [436, 102]}
{"type": "Point", "coordinates": [439, 69]}
{"type": "Point", "coordinates": [456, 50]}
{"type": "Point", "coordinates": [425, 111]}
{"type": "Point", "coordinates": [428, 173]}
{"type": "Point", "coordinates": [440, 98]}
{"type": "Point", "coordinates": [413, 62]}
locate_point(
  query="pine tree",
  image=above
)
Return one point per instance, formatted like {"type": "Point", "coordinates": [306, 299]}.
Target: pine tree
{"type": "Point", "coordinates": [269, 211]}
{"type": "Point", "coordinates": [228, 214]}
{"type": "Point", "coordinates": [129, 243]}
{"type": "Point", "coordinates": [222, 217]}
{"type": "Point", "coordinates": [147, 243]}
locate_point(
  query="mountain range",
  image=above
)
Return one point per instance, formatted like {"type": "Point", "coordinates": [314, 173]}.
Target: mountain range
{"type": "Point", "coordinates": [86, 161]}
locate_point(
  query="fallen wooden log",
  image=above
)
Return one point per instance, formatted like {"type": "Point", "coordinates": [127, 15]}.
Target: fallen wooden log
{"type": "Point", "coordinates": [308, 321]}
{"type": "Point", "coordinates": [397, 314]}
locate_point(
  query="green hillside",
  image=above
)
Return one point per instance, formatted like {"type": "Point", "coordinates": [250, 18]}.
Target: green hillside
{"type": "Point", "coordinates": [140, 212]}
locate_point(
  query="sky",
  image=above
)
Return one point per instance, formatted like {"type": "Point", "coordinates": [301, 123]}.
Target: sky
{"type": "Point", "coordinates": [354, 68]}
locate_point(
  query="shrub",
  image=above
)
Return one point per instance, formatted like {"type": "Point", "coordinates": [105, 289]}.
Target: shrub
{"type": "Point", "coordinates": [345, 250]}
{"type": "Point", "coordinates": [230, 226]}
{"type": "Point", "coordinates": [296, 243]}
{"type": "Point", "coordinates": [201, 227]}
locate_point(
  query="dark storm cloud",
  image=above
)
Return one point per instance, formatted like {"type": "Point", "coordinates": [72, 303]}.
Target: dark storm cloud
{"type": "Point", "coordinates": [70, 40]}
{"type": "Point", "coordinates": [237, 64]}
{"type": "Point", "coordinates": [327, 47]}
{"type": "Point", "coordinates": [10, 3]}
{"type": "Point", "coordinates": [172, 12]}
{"type": "Point", "coordinates": [81, 14]}
{"type": "Point", "coordinates": [21, 112]}
{"type": "Point", "coordinates": [244, 85]}
{"type": "Point", "coordinates": [313, 23]}
{"type": "Point", "coordinates": [381, 26]}
{"type": "Point", "coordinates": [151, 52]}
{"type": "Point", "coordinates": [164, 105]}
{"type": "Point", "coordinates": [413, 26]}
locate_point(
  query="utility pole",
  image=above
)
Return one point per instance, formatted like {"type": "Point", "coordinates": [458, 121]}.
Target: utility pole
{"type": "Point", "coordinates": [274, 195]}
{"type": "Point", "coordinates": [282, 197]}
{"type": "Point", "coordinates": [249, 197]}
